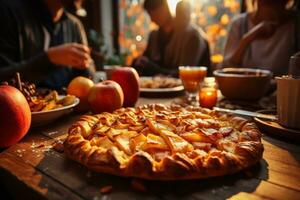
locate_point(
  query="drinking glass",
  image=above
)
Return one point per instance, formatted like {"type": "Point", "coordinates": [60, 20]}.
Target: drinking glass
{"type": "Point", "coordinates": [192, 77]}
{"type": "Point", "coordinates": [208, 95]}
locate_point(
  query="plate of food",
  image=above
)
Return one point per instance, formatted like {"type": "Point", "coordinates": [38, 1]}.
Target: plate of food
{"type": "Point", "coordinates": [45, 105]}
{"type": "Point", "coordinates": [160, 86]}
{"type": "Point", "coordinates": [46, 109]}
{"type": "Point", "coordinates": [158, 142]}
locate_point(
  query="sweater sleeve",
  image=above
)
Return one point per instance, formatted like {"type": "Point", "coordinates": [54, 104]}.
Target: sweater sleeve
{"type": "Point", "coordinates": [232, 42]}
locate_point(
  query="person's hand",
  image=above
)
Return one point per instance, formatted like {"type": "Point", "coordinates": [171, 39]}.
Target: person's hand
{"type": "Point", "coordinates": [264, 30]}
{"type": "Point", "coordinates": [73, 54]}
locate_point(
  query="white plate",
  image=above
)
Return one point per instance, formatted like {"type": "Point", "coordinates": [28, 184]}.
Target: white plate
{"type": "Point", "coordinates": [179, 88]}
{"type": "Point", "coordinates": [45, 117]}
{"type": "Point", "coordinates": [174, 89]}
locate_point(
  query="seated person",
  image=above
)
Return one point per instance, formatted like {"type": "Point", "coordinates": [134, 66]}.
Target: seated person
{"type": "Point", "coordinates": [47, 45]}
{"type": "Point", "coordinates": [265, 39]}
{"type": "Point", "coordinates": [175, 43]}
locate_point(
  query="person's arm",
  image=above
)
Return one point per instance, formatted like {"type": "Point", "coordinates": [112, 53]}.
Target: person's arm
{"type": "Point", "coordinates": [235, 50]}
{"type": "Point", "coordinates": [232, 42]}
{"type": "Point", "coordinates": [237, 55]}
{"type": "Point", "coordinates": [82, 39]}
{"type": "Point", "coordinates": [32, 69]}
{"type": "Point", "coordinates": [247, 39]}
{"type": "Point", "coordinates": [38, 66]}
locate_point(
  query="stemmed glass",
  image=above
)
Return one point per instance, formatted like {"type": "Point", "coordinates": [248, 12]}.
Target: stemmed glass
{"type": "Point", "coordinates": [192, 77]}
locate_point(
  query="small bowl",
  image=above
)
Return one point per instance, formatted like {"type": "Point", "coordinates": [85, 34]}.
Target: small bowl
{"type": "Point", "coordinates": [45, 117]}
{"type": "Point", "coordinates": [243, 83]}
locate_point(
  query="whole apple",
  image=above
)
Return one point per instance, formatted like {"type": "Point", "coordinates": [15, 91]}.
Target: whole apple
{"type": "Point", "coordinates": [105, 96]}
{"type": "Point", "coordinates": [129, 80]}
{"type": "Point", "coordinates": [15, 116]}
{"type": "Point", "coordinates": [80, 87]}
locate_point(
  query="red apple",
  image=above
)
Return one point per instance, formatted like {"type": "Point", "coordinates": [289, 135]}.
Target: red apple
{"type": "Point", "coordinates": [129, 80]}
{"type": "Point", "coordinates": [105, 96]}
{"type": "Point", "coordinates": [15, 116]}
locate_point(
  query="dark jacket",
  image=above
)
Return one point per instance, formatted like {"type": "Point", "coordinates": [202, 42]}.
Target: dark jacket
{"type": "Point", "coordinates": [27, 31]}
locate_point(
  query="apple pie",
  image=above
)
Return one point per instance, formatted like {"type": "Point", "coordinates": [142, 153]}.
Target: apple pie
{"type": "Point", "coordinates": [158, 142]}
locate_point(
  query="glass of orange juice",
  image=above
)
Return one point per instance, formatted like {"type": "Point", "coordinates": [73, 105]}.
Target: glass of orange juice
{"type": "Point", "coordinates": [192, 77]}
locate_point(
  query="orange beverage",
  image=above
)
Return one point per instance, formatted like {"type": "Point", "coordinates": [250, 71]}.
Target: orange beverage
{"type": "Point", "coordinates": [208, 97]}
{"type": "Point", "coordinates": [191, 77]}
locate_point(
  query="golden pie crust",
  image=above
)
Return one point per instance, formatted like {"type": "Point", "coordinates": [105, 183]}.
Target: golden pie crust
{"type": "Point", "coordinates": [164, 143]}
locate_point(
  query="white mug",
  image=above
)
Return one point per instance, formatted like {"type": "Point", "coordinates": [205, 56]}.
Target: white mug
{"type": "Point", "coordinates": [288, 101]}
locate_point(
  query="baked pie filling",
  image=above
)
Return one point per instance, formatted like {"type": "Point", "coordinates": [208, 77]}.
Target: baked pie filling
{"type": "Point", "coordinates": [164, 143]}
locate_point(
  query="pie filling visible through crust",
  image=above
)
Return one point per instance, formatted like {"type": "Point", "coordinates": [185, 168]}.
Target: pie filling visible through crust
{"type": "Point", "coordinates": [164, 143]}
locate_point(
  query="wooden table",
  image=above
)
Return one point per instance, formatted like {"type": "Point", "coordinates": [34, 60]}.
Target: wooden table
{"type": "Point", "coordinates": [32, 169]}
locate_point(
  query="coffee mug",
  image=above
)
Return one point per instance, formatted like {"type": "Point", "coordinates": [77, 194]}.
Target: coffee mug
{"type": "Point", "coordinates": [288, 101]}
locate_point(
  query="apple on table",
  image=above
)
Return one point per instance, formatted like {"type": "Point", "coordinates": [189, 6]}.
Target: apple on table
{"type": "Point", "coordinates": [15, 115]}
{"type": "Point", "coordinates": [105, 96]}
{"type": "Point", "coordinates": [80, 87]}
{"type": "Point", "coordinates": [129, 80]}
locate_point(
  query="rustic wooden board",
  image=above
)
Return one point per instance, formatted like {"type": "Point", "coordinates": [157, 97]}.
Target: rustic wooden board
{"type": "Point", "coordinates": [75, 177]}
{"type": "Point", "coordinates": [16, 172]}
{"type": "Point", "coordinates": [33, 169]}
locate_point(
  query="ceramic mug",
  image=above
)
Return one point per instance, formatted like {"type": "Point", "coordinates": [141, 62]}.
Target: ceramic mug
{"type": "Point", "coordinates": [288, 101]}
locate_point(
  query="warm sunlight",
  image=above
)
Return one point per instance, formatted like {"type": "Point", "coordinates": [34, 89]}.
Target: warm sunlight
{"type": "Point", "coordinates": [149, 99]}
{"type": "Point", "coordinates": [172, 5]}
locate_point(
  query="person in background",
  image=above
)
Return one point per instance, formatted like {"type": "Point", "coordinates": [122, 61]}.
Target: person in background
{"type": "Point", "coordinates": [175, 43]}
{"type": "Point", "coordinates": [265, 38]}
{"type": "Point", "coordinates": [43, 42]}
{"type": "Point", "coordinates": [191, 36]}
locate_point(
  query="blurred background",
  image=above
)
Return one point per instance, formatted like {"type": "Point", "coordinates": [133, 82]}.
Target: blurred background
{"type": "Point", "coordinates": [118, 29]}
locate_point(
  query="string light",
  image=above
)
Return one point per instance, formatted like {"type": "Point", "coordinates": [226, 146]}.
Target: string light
{"type": "Point", "coordinates": [138, 38]}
